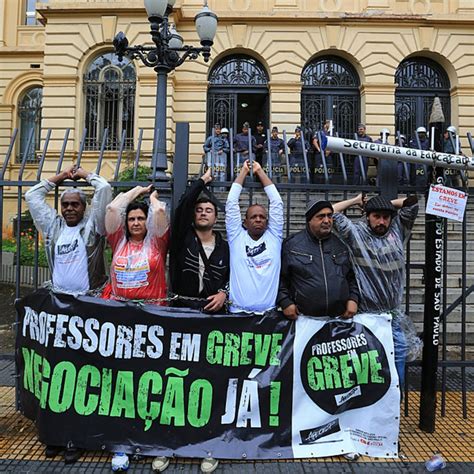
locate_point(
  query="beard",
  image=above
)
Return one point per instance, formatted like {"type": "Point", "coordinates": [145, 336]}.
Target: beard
{"type": "Point", "coordinates": [380, 229]}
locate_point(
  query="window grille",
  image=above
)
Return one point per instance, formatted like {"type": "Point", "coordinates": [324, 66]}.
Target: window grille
{"type": "Point", "coordinates": [330, 92]}
{"type": "Point", "coordinates": [238, 70]}
{"type": "Point", "coordinates": [418, 82]}
{"type": "Point", "coordinates": [109, 89]}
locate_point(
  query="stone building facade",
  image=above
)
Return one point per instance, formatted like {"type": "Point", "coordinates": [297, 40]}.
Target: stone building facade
{"type": "Point", "coordinates": [286, 62]}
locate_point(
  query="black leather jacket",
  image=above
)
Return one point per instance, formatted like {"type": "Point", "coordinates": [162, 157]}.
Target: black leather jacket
{"type": "Point", "coordinates": [316, 275]}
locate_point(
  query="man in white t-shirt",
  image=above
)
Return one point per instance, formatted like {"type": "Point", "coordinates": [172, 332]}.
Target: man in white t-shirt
{"type": "Point", "coordinates": [74, 243]}
{"type": "Point", "coordinates": [255, 247]}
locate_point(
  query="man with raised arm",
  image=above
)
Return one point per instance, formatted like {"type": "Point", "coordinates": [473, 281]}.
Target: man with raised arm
{"type": "Point", "coordinates": [199, 256]}
{"type": "Point", "coordinates": [74, 240]}
{"type": "Point", "coordinates": [74, 243]}
{"type": "Point", "coordinates": [255, 247]}
{"type": "Point", "coordinates": [377, 244]}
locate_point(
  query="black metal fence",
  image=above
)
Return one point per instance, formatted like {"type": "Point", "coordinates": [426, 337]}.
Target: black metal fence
{"type": "Point", "coordinates": [457, 326]}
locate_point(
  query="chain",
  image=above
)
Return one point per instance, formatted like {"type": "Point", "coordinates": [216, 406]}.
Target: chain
{"type": "Point", "coordinates": [174, 297]}
{"type": "Point", "coordinates": [169, 299]}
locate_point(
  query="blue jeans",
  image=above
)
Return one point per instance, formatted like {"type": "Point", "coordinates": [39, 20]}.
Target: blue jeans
{"type": "Point", "coordinates": [400, 349]}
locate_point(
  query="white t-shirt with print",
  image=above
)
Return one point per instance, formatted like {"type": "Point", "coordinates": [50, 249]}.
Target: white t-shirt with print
{"type": "Point", "coordinates": [70, 262]}
{"type": "Point", "coordinates": [254, 264]}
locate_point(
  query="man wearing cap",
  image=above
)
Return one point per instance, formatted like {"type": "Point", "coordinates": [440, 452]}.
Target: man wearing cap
{"type": "Point", "coordinates": [255, 247]}
{"type": "Point", "coordinates": [260, 137]}
{"type": "Point", "coordinates": [277, 150]}
{"type": "Point", "coordinates": [316, 277]}
{"type": "Point", "coordinates": [320, 148]}
{"type": "Point", "coordinates": [199, 256]}
{"type": "Point", "coordinates": [241, 142]}
{"type": "Point", "coordinates": [377, 248]}
{"type": "Point", "coordinates": [297, 163]}
{"type": "Point", "coordinates": [216, 148]}
{"type": "Point", "coordinates": [361, 162]}
{"type": "Point", "coordinates": [216, 143]}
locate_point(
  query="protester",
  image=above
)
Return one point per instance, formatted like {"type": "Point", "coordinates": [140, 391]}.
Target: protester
{"type": "Point", "coordinates": [139, 241]}
{"type": "Point", "coordinates": [377, 251]}
{"type": "Point", "coordinates": [74, 244]}
{"type": "Point", "coordinates": [377, 246]}
{"type": "Point", "coordinates": [316, 277]}
{"type": "Point", "coordinates": [255, 248]}
{"type": "Point", "coordinates": [138, 234]}
{"type": "Point", "coordinates": [199, 256]}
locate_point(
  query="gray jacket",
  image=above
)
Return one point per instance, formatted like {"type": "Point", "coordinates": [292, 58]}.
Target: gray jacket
{"type": "Point", "coordinates": [92, 227]}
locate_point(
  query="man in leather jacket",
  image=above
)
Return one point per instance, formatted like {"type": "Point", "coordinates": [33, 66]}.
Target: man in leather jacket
{"type": "Point", "coordinates": [316, 276]}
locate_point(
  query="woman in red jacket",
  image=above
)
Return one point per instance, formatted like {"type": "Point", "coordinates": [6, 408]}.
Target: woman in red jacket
{"type": "Point", "coordinates": [139, 237]}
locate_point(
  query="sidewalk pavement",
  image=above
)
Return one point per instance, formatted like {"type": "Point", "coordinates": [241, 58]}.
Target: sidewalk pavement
{"type": "Point", "coordinates": [21, 452]}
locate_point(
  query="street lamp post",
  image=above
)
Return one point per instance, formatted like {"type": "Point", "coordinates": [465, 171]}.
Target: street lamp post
{"type": "Point", "coordinates": [168, 53]}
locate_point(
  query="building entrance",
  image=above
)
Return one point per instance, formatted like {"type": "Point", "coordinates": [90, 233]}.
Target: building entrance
{"type": "Point", "coordinates": [238, 93]}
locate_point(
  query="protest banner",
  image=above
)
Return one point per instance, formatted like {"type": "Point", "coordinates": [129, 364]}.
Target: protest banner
{"type": "Point", "coordinates": [169, 381]}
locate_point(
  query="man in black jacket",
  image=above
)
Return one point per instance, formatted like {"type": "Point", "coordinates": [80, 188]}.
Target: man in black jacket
{"type": "Point", "coordinates": [316, 276]}
{"type": "Point", "coordinates": [199, 256]}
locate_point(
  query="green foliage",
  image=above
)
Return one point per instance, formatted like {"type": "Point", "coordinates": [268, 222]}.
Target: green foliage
{"type": "Point", "coordinates": [127, 175]}
{"type": "Point", "coordinates": [27, 249]}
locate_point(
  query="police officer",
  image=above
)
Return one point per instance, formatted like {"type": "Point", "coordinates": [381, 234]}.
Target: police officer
{"type": "Point", "coordinates": [277, 150]}
{"type": "Point", "coordinates": [297, 163]}
{"type": "Point", "coordinates": [403, 169]}
{"type": "Point", "coordinates": [241, 143]}
{"type": "Point", "coordinates": [419, 173]}
{"type": "Point", "coordinates": [361, 162]}
{"type": "Point", "coordinates": [260, 137]}
{"type": "Point", "coordinates": [452, 145]}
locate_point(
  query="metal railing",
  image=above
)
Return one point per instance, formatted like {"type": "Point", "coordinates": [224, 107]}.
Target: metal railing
{"type": "Point", "coordinates": [332, 181]}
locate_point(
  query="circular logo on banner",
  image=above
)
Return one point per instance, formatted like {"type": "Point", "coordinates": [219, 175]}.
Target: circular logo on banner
{"type": "Point", "coordinates": [344, 366]}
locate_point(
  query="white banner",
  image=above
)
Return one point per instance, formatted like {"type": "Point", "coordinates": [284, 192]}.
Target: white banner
{"type": "Point", "coordinates": [391, 152]}
{"type": "Point", "coordinates": [446, 202]}
{"type": "Point", "coordinates": [346, 395]}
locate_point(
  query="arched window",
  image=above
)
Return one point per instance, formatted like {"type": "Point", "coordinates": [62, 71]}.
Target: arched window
{"type": "Point", "coordinates": [109, 88]}
{"type": "Point", "coordinates": [29, 119]}
{"type": "Point", "coordinates": [238, 93]}
{"type": "Point", "coordinates": [418, 81]}
{"type": "Point", "coordinates": [330, 92]}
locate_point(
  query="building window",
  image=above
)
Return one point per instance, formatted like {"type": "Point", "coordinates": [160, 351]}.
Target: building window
{"type": "Point", "coordinates": [418, 81]}
{"type": "Point", "coordinates": [109, 89]}
{"type": "Point", "coordinates": [238, 93]}
{"type": "Point", "coordinates": [330, 92]}
{"type": "Point", "coordinates": [30, 12]}
{"type": "Point", "coordinates": [29, 118]}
